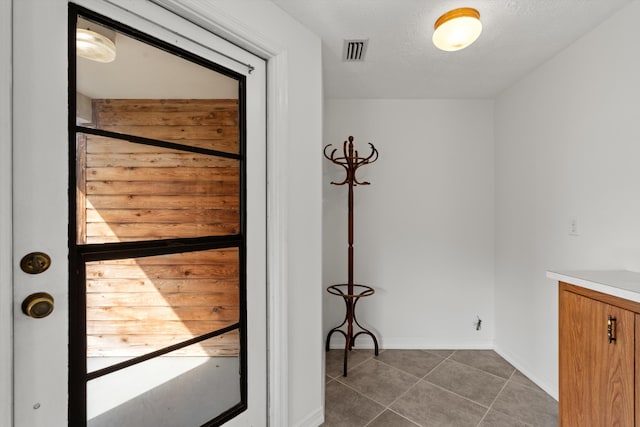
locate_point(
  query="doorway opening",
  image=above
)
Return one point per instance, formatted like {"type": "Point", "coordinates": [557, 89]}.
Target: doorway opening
{"type": "Point", "coordinates": [157, 263]}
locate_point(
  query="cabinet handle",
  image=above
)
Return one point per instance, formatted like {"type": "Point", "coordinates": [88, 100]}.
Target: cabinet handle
{"type": "Point", "coordinates": [611, 329]}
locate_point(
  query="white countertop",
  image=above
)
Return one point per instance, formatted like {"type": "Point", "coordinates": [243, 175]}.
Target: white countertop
{"type": "Point", "coordinates": [619, 283]}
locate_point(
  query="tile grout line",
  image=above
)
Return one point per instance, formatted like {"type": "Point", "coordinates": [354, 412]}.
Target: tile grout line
{"type": "Point", "coordinates": [372, 399]}
{"type": "Point", "coordinates": [474, 368]}
{"type": "Point", "coordinates": [365, 396]}
{"type": "Point", "coordinates": [400, 396]}
{"type": "Point", "coordinates": [496, 398]}
{"type": "Point", "coordinates": [360, 393]}
{"type": "Point", "coordinates": [536, 388]}
{"type": "Point", "coordinates": [417, 382]}
{"type": "Point", "coordinates": [454, 393]}
{"type": "Point", "coordinates": [533, 387]}
{"type": "Point", "coordinates": [376, 417]}
{"type": "Point", "coordinates": [353, 367]}
{"type": "Point", "coordinates": [409, 373]}
{"type": "Point", "coordinates": [485, 372]}
{"type": "Point", "coordinates": [424, 378]}
{"type": "Point", "coordinates": [400, 415]}
{"type": "Point", "coordinates": [388, 407]}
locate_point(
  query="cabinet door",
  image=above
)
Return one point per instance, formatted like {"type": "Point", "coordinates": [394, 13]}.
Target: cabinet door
{"type": "Point", "coordinates": [596, 374]}
{"type": "Point", "coordinates": [637, 376]}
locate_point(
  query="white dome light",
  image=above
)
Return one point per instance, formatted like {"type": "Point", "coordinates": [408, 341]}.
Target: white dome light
{"type": "Point", "coordinates": [94, 46]}
{"type": "Point", "coordinates": [457, 29]}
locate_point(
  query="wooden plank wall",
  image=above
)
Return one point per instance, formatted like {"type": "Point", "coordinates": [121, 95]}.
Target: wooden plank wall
{"type": "Point", "coordinates": [140, 192]}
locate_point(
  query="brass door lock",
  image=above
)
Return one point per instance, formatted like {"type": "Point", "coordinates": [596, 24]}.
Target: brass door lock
{"type": "Point", "coordinates": [35, 262]}
{"type": "Point", "coordinates": [38, 305]}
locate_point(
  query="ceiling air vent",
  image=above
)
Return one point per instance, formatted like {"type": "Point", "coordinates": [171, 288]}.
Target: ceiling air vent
{"type": "Point", "coordinates": [354, 50]}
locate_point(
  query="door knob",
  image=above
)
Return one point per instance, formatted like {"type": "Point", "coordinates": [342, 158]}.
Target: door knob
{"type": "Point", "coordinates": [38, 305]}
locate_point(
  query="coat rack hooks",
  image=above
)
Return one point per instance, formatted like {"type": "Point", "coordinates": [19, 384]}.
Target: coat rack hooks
{"type": "Point", "coordinates": [351, 161]}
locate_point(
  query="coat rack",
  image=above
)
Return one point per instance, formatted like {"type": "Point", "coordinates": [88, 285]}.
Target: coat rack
{"type": "Point", "coordinates": [350, 292]}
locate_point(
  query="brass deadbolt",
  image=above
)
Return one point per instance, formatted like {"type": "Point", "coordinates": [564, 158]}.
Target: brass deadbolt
{"type": "Point", "coordinates": [35, 262]}
{"type": "Point", "coordinates": [38, 305]}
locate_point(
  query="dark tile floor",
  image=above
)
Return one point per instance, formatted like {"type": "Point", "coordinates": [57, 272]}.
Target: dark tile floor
{"type": "Point", "coordinates": [409, 388]}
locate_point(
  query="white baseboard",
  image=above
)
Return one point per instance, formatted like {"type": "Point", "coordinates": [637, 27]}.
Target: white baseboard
{"type": "Point", "coordinates": [314, 419]}
{"type": "Point", "coordinates": [551, 391]}
{"type": "Point", "coordinates": [364, 342]}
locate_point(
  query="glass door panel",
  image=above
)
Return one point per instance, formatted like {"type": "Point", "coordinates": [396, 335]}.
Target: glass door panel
{"type": "Point", "coordinates": [187, 387]}
{"type": "Point", "coordinates": [163, 97]}
{"type": "Point", "coordinates": [158, 265]}
{"type": "Point", "coordinates": [128, 191]}
{"type": "Point", "coordinates": [137, 306]}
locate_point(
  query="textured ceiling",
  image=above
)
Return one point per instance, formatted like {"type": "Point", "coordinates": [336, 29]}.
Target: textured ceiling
{"type": "Point", "coordinates": [401, 61]}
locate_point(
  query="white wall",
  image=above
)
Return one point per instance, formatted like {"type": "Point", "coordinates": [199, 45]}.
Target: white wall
{"type": "Point", "coordinates": [567, 147]}
{"type": "Point", "coordinates": [424, 235]}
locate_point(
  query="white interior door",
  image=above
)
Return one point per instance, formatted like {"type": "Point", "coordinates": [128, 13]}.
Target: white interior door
{"type": "Point", "coordinates": [41, 165]}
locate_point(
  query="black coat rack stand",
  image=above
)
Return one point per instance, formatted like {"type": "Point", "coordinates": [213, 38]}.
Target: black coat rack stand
{"type": "Point", "coordinates": [350, 292]}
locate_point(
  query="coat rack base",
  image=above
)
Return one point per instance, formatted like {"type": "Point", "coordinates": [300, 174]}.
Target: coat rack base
{"type": "Point", "coordinates": [350, 300]}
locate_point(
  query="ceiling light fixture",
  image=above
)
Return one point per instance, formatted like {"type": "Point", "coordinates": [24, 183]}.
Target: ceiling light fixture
{"type": "Point", "coordinates": [457, 29]}
{"type": "Point", "coordinates": [94, 46]}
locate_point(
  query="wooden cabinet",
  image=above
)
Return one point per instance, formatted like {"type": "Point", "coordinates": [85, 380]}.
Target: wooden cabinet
{"type": "Point", "coordinates": [599, 347]}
